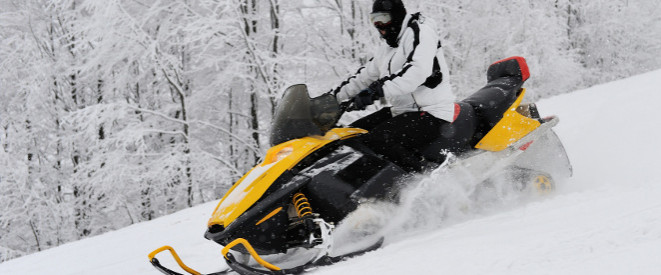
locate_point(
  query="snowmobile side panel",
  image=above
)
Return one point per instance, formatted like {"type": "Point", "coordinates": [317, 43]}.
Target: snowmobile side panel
{"type": "Point", "coordinates": [335, 193]}
{"type": "Point", "coordinates": [512, 127]}
{"type": "Point", "coordinates": [279, 159]}
{"type": "Point", "coordinates": [269, 215]}
{"type": "Point", "coordinates": [330, 196]}
{"type": "Point", "coordinates": [269, 236]}
{"type": "Point", "coordinates": [383, 185]}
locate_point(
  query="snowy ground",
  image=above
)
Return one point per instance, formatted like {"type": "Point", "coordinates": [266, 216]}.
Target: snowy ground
{"type": "Point", "coordinates": [605, 220]}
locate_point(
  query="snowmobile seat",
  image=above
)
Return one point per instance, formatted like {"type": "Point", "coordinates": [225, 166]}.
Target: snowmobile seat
{"type": "Point", "coordinates": [504, 81]}
{"type": "Point", "coordinates": [476, 115]}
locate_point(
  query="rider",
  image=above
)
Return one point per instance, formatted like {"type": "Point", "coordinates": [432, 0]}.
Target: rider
{"type": "Point", "coordinates": [408, 71]}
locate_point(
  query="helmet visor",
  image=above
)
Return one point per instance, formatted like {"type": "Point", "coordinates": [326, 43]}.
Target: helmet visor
{"type": "Point", "coordinates": [380, 19]}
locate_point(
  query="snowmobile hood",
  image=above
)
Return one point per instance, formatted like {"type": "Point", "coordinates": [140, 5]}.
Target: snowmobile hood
{"type": "Point", "coordinates": [280, 158]}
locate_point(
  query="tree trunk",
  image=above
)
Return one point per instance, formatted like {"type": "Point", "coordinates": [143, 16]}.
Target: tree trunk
{"type": "Point", "coordinates": [249, 10]}
{"type": "Point", "coordinates": [275, 26]}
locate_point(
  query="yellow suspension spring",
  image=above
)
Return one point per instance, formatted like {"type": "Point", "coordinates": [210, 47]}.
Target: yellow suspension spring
{"type": "Point", "coordinates": [302, 205]}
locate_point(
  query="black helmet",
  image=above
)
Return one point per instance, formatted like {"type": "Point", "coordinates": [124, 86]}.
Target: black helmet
{"type": "Point", "coordinates": [388, 17]}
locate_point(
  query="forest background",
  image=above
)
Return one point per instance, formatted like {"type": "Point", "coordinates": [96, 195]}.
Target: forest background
{"type": "Point", "coordinates": [120, 111]}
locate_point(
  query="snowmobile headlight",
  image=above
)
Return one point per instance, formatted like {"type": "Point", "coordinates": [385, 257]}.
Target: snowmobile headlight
{"type": "Point", "coordinates": [283, 153]}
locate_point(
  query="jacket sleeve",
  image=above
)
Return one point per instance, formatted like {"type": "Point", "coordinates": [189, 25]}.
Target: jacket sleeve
{"type": "Point", "coordinates": [420, 44]}
{"type": "Point", "coordinates": [359, 81]}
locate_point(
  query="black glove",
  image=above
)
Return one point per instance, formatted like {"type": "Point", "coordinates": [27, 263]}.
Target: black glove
{"type": "Point", "coordinates": [368, 96]}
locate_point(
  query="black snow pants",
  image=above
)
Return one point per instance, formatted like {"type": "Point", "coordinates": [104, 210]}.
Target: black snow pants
{"type": "Point", "coordinates": [403, 138]}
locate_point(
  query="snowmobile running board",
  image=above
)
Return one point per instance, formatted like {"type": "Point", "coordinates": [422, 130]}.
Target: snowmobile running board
{"type": "Point", "coordinates": [243, 269]}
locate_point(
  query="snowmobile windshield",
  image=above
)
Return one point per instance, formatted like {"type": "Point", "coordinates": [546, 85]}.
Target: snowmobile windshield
{"type": "Point", "coordinates": [297, 115]}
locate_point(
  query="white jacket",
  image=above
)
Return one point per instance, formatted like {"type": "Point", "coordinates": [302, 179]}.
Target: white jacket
{"type": "Point", "coordinates": [405, 69]}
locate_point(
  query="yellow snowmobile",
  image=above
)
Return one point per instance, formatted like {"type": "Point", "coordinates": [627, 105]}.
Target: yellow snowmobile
{"type": "Point", "coordinates": [285, 208]}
